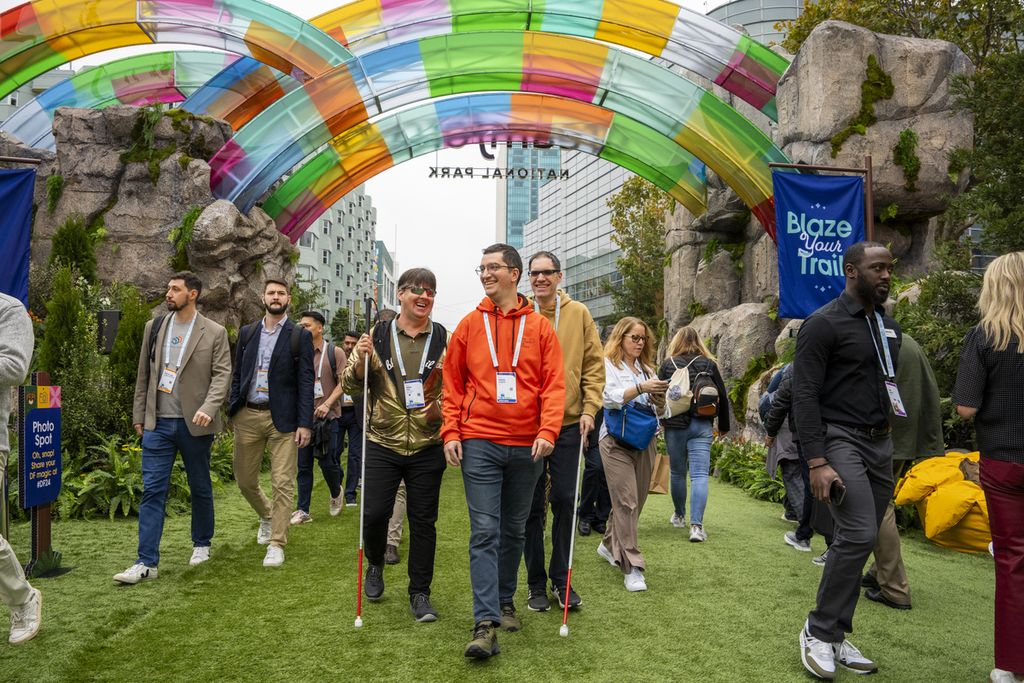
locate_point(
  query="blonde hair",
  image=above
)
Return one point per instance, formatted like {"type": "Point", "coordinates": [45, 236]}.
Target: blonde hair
{"type": "Point", "coordinates": [1002, 301]}
{"type": "Point", "coordinates": [613, 347]}
{"type": "Point", "coordinates": [686, 342]}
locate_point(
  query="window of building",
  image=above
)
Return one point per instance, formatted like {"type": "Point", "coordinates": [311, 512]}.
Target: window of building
{"type": "Point", "coordinates": [324, 284]}
{"type": "Point", "coordinates": [337, 242]}
{"type": "Point", "coordinates": [337, 298]}
{"type": "Point", "coordinates": [307, 239]}
{"type": "Point", "coordinates": [326, 227]}
{"type": "Point", "coordinates": [325, 256]}
{"type": "Point", "coordinates": [12, 99]}
{"type": "Point", "coordinates": [337, 270]}
{"type": "Point", "coordinates": [348, 281]}
{"type": "Point", "coordinates": [350, 257]}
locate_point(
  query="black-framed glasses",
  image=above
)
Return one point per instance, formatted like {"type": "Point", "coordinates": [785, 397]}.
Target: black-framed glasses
{"type": "Point", "coordinates": [491, 268]}
{"type": "Point", "coordinates": [422, 290]}
{"type": "Point", "coordinates": [546, 273]}
{"type": "Point", "coordinates": [638, 338]}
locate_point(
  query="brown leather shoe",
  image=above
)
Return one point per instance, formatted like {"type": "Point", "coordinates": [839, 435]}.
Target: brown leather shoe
{"type": "Point", "coordinates": [391, 555]}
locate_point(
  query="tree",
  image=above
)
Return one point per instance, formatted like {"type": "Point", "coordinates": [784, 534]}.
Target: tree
{"type": "Point", "coordinates": [339, 325]}
{"type": "Point", "coordinates": [638, 220]}
{"type": "Point", "coordinates": [306, 296]}
{"type": "Point", "coordinates": [72, 246]}
{"type": "Point", "coordinates": [124, 356]}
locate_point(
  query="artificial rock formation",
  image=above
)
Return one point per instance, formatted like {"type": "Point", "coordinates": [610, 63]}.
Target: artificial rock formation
{"type": "Point", "coordinates": [139, 199]}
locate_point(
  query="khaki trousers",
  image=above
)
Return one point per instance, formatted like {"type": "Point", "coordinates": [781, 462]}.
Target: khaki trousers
{"type": "Point", "coordinates": [254, 432]}
{"type": "Point", "coordinates": [629, 477]}
{"type": "Point", "coordinates": [14, 589]}
{"type": "Point", "coordinates": [888, 567]}
{"type": "Point", "coordinates": [397, 516]}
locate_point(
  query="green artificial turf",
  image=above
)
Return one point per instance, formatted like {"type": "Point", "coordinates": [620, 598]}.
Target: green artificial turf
{"type": "Point", "coordinates": [726, 610]}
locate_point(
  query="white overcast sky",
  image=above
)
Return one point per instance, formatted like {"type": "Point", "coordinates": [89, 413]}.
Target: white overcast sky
{"type": "Point", "coordinates": [438, 224]}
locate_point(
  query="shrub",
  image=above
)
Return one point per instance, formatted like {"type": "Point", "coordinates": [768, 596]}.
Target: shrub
{"type": "Point", "coordinates": [740, 387]}
{"type": "Point", "coordinates": [181, 236]}
{"type": "Point", "coordinates": [54, 191]}
{"type": "Point", "coordinates": [124, 357]}
{"type": "Point", "coordinates": [741, 463]}
{"type": "Point", "coordinates": [73, 246]}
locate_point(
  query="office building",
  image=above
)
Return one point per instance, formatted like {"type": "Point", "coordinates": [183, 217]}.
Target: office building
{"type": "Point", "coordinates": [518, 198]}
{"type": "Point", "coordinates": [758, 17]}
{"type": "Point", "coordinates": [385, 278]}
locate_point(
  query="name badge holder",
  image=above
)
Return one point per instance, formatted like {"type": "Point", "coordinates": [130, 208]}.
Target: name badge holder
{"type": "Point", "coordinates": [885, 359]}
{"type": "Point", "coordinates": [414, 394]}
{"type": "Point", "coordinates": [318, 387]}
{"type": "Point", "coordinates": [505, 382]}
{"type": "Point", "coordinates": [170, 375]}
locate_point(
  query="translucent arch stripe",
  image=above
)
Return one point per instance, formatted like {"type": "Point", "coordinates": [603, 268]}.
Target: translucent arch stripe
{"type": "Point", "coordinates": [308, 118]}
{"type": "Point", "coordinates": [36, 37]}
{"type": "Point", "coordinates": [373, 147]}
{"type": "Point", "coordinates": [158, 77]}
{"type": "Point", "coordinates": [662, 29]}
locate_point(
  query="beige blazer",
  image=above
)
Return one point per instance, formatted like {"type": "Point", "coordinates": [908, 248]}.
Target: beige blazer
{"type": "Point", "coordinates": [204, 377]}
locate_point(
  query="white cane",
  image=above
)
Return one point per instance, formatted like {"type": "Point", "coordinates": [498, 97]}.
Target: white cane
{"type": "Point", "coordinates": [362, 469]}
{"type": "Point", "coordinates": [564, 629]}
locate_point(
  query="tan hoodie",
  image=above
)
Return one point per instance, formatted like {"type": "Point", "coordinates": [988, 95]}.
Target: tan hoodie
{"type": "Point", "coordinates": [582, 357]}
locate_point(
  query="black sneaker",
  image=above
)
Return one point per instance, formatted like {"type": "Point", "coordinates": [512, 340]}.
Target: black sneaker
{"type": "Point", "coordinates": [574, 599]}
{"type": "Point", "coordinates": [484, 643]}
{"type": "Point", "coordinates": [598, 526]}
{"type": "Point", "coordinates": [584, 527]}
{"type": "Point", "coordinates": [869, 581]}
{"type": "Point", "coordinates": [373, 585]}
{"type": "Point", "coordinates": [509, 621]}
{"type": "Point", "coordinates": [422, 610]}
{"type": "Point", "coordinates": [350, 501]}
{"type": "Point", "coordinates": [538, 601]}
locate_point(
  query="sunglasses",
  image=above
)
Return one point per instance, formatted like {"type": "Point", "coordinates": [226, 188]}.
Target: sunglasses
{"type": "Point", "coordinates": [545, 273]}
{"type": "Point", "coordinates": [638, 339]}
{"type": "Point", "coordinates": [422, 290]}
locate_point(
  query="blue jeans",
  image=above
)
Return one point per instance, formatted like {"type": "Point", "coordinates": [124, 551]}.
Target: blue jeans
{"type": "Point", "coordinates": [330, 466]}
{"type": "Point", "coordinates": [499, 482]}
{"type": "Point", "coordinates": [689, 449]}
{"type": "Point", "coordinates": [159, 448]}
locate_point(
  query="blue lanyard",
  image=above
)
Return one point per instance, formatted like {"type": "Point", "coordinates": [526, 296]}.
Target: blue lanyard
{"type": "Point", "coordinates": [883, 355]}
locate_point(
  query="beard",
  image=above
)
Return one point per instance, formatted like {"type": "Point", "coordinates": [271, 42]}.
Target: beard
{"type": "Point", "coordinates": [871, 293]}
{"type": "Point", "coordinates": [275, 309]}
{"type": "Point", "coordinates": [173, 307]}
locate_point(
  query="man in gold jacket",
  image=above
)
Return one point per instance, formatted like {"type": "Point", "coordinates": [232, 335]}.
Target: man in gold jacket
{"type": "Point", "coordinates": [403, 438]}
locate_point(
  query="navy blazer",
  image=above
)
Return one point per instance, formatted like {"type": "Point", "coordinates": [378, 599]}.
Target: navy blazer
{"type": "Point", "coordinates": [291, 384]}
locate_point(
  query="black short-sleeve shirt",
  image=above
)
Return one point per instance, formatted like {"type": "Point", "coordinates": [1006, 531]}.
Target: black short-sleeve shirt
{"type": "Point", "coordinates": [993, 382]}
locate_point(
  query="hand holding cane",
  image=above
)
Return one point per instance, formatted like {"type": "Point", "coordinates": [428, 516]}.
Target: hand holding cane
{"type": "Point", "coordinates": [362, 469]}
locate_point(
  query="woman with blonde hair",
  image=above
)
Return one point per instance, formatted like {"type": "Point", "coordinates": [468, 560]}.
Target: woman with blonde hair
{"type": "Point", "coordinates": [990, 389]}
{"type": "Point", "coordinates": [629, 381]}
{"type": "Point", "coordinates": [688, 435]}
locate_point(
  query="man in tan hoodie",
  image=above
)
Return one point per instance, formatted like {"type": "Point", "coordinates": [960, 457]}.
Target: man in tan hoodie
{"type": "Point", "coordinates": [583, 360]}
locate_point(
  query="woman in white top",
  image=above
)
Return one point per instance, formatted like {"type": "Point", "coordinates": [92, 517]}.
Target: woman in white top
{"type": "Point", "coordinates": [629, 377]}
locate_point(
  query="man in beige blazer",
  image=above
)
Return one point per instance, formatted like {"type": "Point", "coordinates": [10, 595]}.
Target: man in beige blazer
{"type": "Point", "coordinates": [183, 381]}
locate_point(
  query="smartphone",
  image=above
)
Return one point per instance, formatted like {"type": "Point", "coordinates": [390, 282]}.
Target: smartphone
{"type": "Point", "coordinates": [837, 492]}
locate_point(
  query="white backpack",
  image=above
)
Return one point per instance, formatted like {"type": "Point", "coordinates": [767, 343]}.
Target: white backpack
{"type": "Point", "coordinates": [680, 394]}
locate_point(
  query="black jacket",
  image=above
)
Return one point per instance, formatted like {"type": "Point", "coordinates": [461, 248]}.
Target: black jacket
{"type": "Point", "coordinates": [291, 382]}
{"type": "Point", "coordinates": [782, 403]}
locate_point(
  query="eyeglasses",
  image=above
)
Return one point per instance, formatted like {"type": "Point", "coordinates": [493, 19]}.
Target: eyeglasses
{"type": "Point", "coordinates": [545, 273]}
{"type": "Point", "coordinates": [422, 290]}
{"type": "Point", "coordinates": [638, 338]}
{"type": "Point", "coordinates": [491, 268]}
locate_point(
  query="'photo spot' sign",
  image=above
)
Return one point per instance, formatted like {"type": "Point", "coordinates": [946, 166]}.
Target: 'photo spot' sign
{"type": "Point", "coordinates": [39, 464]}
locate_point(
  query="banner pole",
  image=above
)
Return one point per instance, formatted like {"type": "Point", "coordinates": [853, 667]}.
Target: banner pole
{"type": "Point", "coordinates": [869, 201]}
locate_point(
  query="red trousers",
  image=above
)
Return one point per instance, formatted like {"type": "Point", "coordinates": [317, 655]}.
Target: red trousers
{"type": "Point", "coordinates": [1004, 491]}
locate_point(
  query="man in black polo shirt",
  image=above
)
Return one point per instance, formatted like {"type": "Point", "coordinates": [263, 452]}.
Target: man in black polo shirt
{"type": "Point", "coordinates": [843, 386]}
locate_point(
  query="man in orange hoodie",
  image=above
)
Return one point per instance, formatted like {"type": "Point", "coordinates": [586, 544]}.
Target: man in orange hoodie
{"type": "Point", "coordinates": [504, 394]}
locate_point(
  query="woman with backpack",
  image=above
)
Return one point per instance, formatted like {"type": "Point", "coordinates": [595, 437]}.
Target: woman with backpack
{"type": "Point", "coordinates": [633, 400]}
{"type": "Point", "coordinates": [688, 432]}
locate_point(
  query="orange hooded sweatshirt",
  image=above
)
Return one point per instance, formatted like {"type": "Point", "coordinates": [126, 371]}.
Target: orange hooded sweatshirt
{"type": "Point", "coordinates": [470, 406]}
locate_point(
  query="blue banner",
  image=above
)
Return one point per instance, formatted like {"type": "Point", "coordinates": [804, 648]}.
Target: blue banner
{"type": "Point", "coordinates": [39, 456]}
{"type": "Point", "coordinates": [818, 217]}
{"type": "Point", "coordinates": [16, 190]}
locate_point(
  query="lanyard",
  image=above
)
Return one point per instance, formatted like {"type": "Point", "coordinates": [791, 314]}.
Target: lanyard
{"type": "Point", "coordinates": [885, 359]}
{"type": "Point", "coordinates": [398, 349]}
{"type": "Point", "coordinates": [490, 340]}
{"type": "Point", "coordinates": [320, 368]}
{"type": "Point", "coordinates": [167, 342]}
{"type": "Point", "coordinates": [558, 309]}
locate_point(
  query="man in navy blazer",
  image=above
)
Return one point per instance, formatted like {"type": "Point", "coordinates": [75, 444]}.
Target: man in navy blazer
{"type": "Point", "coordinates": [271, 408]}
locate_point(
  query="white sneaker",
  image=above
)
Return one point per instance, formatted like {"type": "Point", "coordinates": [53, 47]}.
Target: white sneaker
{"type": "Point", "coordinates": [790, 538]}
{"type": "Point", "coordinates": [697, 534]}
{"type": "Point", "coordinates": [849, 657]}
{"type": "Point", "coordinates": [635, 581]}
{"type": "Point", "coordinates": [25, 620]}
{"type": "Point", "coordinates": [337, 503]}
{"type": "Point", "coordinates": [1003, 676]}
{"type": "Point", "coordinates": [274, 557]}
{"type": "Point", "coordinates": [135, 573]}
{"type": "Point", "coordinates": [300, 517]}
{"type": "Point", "coordinates": [817, 656]}
{"type": "Point", "coordinates": [604, 552]}
{"type": "Point", "coordinates": [677, 521]}
{"type": "Point", "coordinates": [263, 534]}
{"type": "Point", "coordinates": [200, 554]}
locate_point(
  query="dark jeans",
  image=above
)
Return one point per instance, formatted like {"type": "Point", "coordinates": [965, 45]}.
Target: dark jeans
{"type": "Point", "coordinates": [422, 473]}
{"type": "Point", "coordinates": [563, 466]}
{"type": "Point", "coordinates": [159, 448]}
{"type": "Point", "coordinates": [351, 426]}
{"type": "Point", "coordinates": [865, 466]}
{"type": "Point", "coordinates": [798, 489]}
{"type": "Point", "coordinates": [595, 503]}
{"type": "Point", "coordinates": [499, 482]}
{"type": "Point", "coordinates": [330, 466]}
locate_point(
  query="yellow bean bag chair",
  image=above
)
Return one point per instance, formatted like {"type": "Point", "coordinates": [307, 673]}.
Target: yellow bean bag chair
{"type": "Point", "coordinates": [952, 508]}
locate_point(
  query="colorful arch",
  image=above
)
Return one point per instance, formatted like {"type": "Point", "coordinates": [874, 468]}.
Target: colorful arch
{"type": "Point", "coordinates": [36, 37]}
{"type": "Point", "coordinates": [294, 127]}
{"type": "Point", "coordinates": [659, 28]}
{"type": "Point", "coordinates": [373, 147]}
{"type": "Point", "coordinates": [154, 78]}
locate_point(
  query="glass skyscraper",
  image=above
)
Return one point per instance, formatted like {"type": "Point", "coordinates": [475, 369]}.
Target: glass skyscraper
{"type": "Point", "coordinates": [518, 198]}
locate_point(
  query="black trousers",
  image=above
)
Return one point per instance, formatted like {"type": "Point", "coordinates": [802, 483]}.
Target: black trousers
{"type": "Point", "coordinates": [563, 467]}
{"type": "Point", "coordinates": [595, 501]}
{"type": "Point", "coordinates": [865, 466]}
{"type": "Point", "coordinates": [422, 473]}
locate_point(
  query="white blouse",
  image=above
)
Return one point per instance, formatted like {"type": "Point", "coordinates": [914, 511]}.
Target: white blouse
{"type": "Point", "coordinates": [618, 378]}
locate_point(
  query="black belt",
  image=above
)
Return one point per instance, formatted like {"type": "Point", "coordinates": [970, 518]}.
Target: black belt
{"type": "Point", "coordinates": [257, 406]}
{"type": "Point", "coordinates": [873, 433]}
